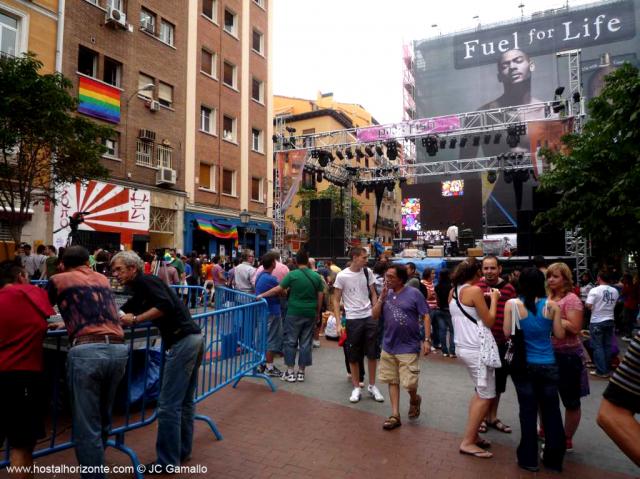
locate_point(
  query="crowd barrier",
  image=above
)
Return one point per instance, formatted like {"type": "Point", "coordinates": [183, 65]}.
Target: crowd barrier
{"type": "Point", "coordinates": [235, 345]}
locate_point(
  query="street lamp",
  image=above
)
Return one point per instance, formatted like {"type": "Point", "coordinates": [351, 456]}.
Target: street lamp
{"type": "Point", "coordinates": [147, 87]}
{"type": "Point", "coordinates": [245, 216]}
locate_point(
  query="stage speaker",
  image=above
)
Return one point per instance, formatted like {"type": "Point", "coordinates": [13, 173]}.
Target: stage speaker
{"type": "Point", "coordinates": [321, 208]}
{"type": "Point", "coordinates": [337, 237]}
{"type": "Point", "coordinates": [547, 242]}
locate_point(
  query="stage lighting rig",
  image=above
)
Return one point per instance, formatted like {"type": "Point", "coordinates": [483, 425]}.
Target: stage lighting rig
{"type": "Point", "coordinates": [513, 136]}
{"type": "Point", "coordinates": [391, 185]}
{"type": "Point", "coordinates": [492, 176]}
{"type": "Point", "coordinates": [359, 154]}
{"type": "Point", "coordinates": [379, 150]}
{"type": "Point", "coordinates": [368, 151]}
{"type": "Point", "coordinates": [431, 145]}
{"type": "Point", "coordinates": [443, 143]}
{"type": "Point", "coordinates": [463, 142]}
{"type": "Point", "coordinates": [324, 158]}
{"type": "Point", "coordinates": [476, 141]}
{"type": "Point", "coordinates": [315, 154]}
{"type": "Point", "coordinates": [339, 154]}
{"type": "Point", "coordinates": [290, 129]}
{"type": "Point", "coordinates": [392, 150]}
{"type": "Point", "coordinates": [452, 143]}
{"type": "Point", "coordinates": [497, 138]}
{"type": "Point", "coordinates": [348, 152]}
{"type": "Point", "coordinates": [487, 139]}
{"type": "Point", "coordinates": [508, 176]}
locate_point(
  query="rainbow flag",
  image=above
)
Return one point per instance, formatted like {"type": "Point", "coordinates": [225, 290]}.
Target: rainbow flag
{"type": "Point", "coordinates": [99, 100]}
{"type": "Point", "coordinates": [217, 230]}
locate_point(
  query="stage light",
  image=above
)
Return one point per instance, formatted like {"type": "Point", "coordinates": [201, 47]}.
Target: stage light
{"type": "Point", "coordinates": [497, 138]}
{"type": "Point", "coordinates": [391, 186]}
{"type": "Point", "coordinates": [315, 154]}
{"type": "Point", "coordinates": [392, 150]}
{"type": "Point", "coordinates": [559, 91]}
{"type": "Point", "coordinates": [487, 139]}
{"type": "Point", "coordinates": [324, 158]}
{"type": "Point", "coordinates": [452, 142]}
{"type": "Point", "coordinates": [379, 150]}
{"type": "Point", "coordinates": [360, 188]}
{"type": "Point", "coordinates": [339, 154]}
{"type": "Point", "coordinates": [348, 152]}
{"type": "Point", "coordinates": [443, 143]}
{"type": "Point", "coordinates": [431, 144]}
{"type": "Point", "coordinates": [492, 176]}
{"type": "Point", "coordinates": [368, 151]}
{"type": "Point", "coordinates": [522, 175]}
{"type": "Point", "coordinates": [513, 138]}
{"type": "Point", "coordinates": [319, 177]}
{"type": "Point", "coordinates": [275, 138]}
{"type": "Point", "coordinates": [359, 154]}
{"type": "Point", "coordinates": [521, 129]}
{"type": "Point", "coordinates": [402, 181]}
{"type": "Point", "coordinates": [463, 142]}
{"type": "Point", "coordinates": [476, 141]}
{"type": "Point", "coordinates": [576, 97]}
{"type": "Point", "coordinates": [292, 141]}
{"type": "Point", "coordinates": [508, 176]}
{"type": "Point", "coordinates": [370, 187]}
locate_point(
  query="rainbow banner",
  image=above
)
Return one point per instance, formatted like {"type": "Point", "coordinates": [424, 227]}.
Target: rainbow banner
{"type": "Point", "coordinates": [217, 230]}
{"type": "Point", "coordinates": [99, 100]}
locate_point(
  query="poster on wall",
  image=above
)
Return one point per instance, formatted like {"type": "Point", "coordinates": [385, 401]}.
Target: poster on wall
{"type": "Point", "coordinates": [411, 214]}
{"type": "Point", "coordinates": [106, 207]}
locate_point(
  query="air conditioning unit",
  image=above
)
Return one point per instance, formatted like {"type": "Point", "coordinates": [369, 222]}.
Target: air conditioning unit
{"type": "Point", "coordinates": [154, 105]}
{"type": "Point", "coordinates": [166, 176]}
{"type": "Point", "coordinates": [147, 25]}
{"type": "Point", "coordinates": [148, 135]}
{"type": "Point", "coordinates": [115, 15]}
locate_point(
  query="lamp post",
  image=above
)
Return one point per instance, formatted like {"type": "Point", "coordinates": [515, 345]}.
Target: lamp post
{"type": "Point", "coordinates": [147, 87]}
{"type": "Point", "coordinates": [244, 219]}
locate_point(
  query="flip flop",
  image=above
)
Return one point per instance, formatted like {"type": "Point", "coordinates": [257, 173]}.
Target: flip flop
{"type": "Point", "coordinates": [498, 425]}
{"type": "Point", "coordinates": [482, 427]}
{"type": "Point", "coordinates": [391, 422]}
{"type": "Point", "coordinates": [478, 454]}
{"type": "Point", "coordinates": [414, 408]}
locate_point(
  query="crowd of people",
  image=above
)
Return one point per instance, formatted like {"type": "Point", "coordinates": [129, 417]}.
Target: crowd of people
{"type": "Point", "coordinates": [534, 326]}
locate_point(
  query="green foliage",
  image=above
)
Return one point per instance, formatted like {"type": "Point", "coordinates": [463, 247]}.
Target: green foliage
{"type": "Point", "coordinates": [305, 195]}
{"type": "Point", "coordinates": [43, 144]}
{"type": "Point", "coordinates": [600, 176]}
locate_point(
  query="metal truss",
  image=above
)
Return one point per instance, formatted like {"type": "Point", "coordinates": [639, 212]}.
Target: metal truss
{"type": "Point", "coordinates": [576, 246]}
{"type": "Point", "coordinates": [346, 212]}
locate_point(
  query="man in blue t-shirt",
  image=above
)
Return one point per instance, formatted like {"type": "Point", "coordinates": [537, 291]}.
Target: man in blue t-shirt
{"type": "Point", "coordinates": [403, 308]}
{"type": "Point", "coordinates": [264, 282]}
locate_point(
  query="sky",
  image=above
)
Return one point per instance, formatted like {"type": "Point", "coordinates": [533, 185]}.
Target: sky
{"type": "Point", "coordinates": [353, 48]}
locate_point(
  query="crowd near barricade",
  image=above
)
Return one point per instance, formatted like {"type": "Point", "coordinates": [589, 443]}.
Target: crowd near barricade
{"type": "Point", "coordinates": [235, 345]}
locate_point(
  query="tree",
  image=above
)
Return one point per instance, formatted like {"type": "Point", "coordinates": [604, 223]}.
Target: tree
{"type": "Point", "coordinates": [599, 175]}
{"type": "Point", "coordinates": [305, 195]}
{"type": "Point", "coordinates": [43, 143]}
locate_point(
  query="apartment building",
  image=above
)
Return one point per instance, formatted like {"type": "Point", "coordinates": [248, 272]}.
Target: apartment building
{"type": "Point", "coordinates": [228, 133]}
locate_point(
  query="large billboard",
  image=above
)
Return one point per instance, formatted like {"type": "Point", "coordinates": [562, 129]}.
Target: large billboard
{"type": "Point", "coordinates": [514, 64]}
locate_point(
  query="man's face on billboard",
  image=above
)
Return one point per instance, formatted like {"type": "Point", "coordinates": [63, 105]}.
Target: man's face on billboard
{"type": "Point", "coordinates": [514, 67]}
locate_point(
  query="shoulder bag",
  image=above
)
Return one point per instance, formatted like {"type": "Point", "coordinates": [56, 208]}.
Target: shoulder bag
{"type": "Point", "coordinates": [515, 357]}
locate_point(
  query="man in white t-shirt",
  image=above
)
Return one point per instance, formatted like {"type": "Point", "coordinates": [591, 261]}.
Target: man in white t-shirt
{"type": "Point", "coordinates": [355, 285]}
{"type": "Point", "coordinates": [452, 234]}
{"type": "Point", "coordinates": [601, 300]}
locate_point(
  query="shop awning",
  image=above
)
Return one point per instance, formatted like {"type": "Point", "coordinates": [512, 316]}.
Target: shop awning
{"type": "Point", "coordinates": [216, 230]}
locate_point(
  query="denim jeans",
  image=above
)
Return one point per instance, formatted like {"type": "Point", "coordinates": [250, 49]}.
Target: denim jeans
{"type": "Point", "coordinates": [176, 409]}
{"type": "Point", "coordinates": [601, 336]}
{"type": "Point", "coordinates": [537, 386]}
{"type": "Point", "coordinates": [298, 333]}
{"type": "Point", "coordinates": [93, 374]}
{"type": "Point", "coordinates": [443, 320]}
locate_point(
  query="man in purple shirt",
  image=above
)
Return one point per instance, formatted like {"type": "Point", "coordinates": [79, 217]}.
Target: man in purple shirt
{"type": "Point", "coordinates": [403, 309]}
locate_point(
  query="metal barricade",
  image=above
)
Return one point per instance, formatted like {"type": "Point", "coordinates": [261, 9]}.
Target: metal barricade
{"type": "Point", "coordinates": [235, 345]}
{"type": "Point", "coordinates": [228, 298]}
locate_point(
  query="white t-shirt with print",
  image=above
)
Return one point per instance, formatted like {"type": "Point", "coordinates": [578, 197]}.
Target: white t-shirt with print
{"type": "Point", "coordinates": [603, 300]}
{"type": "Point", "coordinates": [355, 292]}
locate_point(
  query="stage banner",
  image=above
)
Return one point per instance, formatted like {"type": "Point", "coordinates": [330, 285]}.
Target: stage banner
{"type": "Point", "coordinates": [290, 165]}
{"type": "Point", "coordinates": [108, 207]}
{"type": "Point", "coordinates": [424, 126]}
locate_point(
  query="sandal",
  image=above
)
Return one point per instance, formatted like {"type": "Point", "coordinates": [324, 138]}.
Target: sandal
{"type": "Point", "coordinates": [483, 443]}
{"type": "Point", "coordinates": [391, 422]}
{"type": "Point", "coordinates": [482, 427]}
{"type": "Point", "coordinates": [498, 425]}
{"type": "Point", "coordinates": [414, 407]}
{"type": "Point", "coordinates": [479, 454]}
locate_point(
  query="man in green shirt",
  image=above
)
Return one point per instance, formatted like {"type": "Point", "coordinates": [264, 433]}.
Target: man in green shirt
{"type": "Point", "coordinates": [305, 300]}
{"type": "Point", "coordinates": [51, 263]}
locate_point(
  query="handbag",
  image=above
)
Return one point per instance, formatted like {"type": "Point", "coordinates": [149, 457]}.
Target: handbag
{"type": "Point", "coordinates": [515, 357]}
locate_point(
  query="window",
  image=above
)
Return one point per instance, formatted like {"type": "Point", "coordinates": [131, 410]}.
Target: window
{"type": "Point", "coordinates": [207, 177]}
{"type": "Point", "coordinates": [111, 144]}
{"type": "Point", "coordinates": [230, 22]}
{"type": "Point", "coordinates": [210, 9]}
{"type": "Point", "coordinates": [229, 128]}
{"type": "Point", "coordinates": [256, 140]}
{"type": "Point", "coordinates": [112, 72]}
{"type": "Point", "coordinates": [257, 44]}
{"type": "Point", "coordinates": [228, 182]}
{"type": "Point", "coordinates": [165, 94]}
{"type": "Point", "coordinates": [208, 63]}
{"type": "Point", "coordinates": [147, 21]}
{"type": "Point", "coordinates": [256, 189]}
{"type": "Point", "coordinates": [259, 2]}
{"type": "Point", "coordinates": [164, 156]}
{"type": "Point", "coordinates": [166, 32]}
{"type": "Point", "coordinates": [257, 90]}
{"type": "Point", "coordinates": [308, 141]}
{"type": "Point", "coordinates": [8, 35]}
{"type": "Point", "coordinates": [208, 119]}
{"type": "Point", "coordinates": [142, 81]}
{"type": "Point", "coordinates": [117, 4]}
{"type": "Point", "coordinates": [87, 61]}
{"type": "Point", "coordinates": [229, 74]}
{"type": "Point", "coordinates": [144, 153]}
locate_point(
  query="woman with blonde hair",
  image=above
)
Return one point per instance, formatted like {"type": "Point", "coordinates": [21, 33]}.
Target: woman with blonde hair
{"type": "Point", "coordinates": [574, 382]}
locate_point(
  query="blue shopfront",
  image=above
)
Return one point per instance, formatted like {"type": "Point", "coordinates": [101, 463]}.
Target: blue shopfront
{"type": "Point", "coordinates": [212, 235]}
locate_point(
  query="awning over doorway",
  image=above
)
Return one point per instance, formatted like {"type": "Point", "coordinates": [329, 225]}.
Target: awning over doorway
{"type": "Point", "coordinates": [217, 230]}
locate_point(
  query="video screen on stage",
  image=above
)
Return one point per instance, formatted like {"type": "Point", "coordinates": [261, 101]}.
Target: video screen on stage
{"type": "Point", "coordinates": [411, 214]}
{"type": "Point", "coordinates": [452, 188]}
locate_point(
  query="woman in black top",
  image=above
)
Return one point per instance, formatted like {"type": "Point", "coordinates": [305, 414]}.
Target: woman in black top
{"type": "Point", "coordinates": [442, 315]}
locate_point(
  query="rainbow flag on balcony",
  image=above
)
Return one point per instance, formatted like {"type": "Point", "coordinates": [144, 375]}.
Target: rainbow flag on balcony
{"type": "Point", "coordinates": [217, 230]}
{"type": "Point", "coordinates": [99, 100]}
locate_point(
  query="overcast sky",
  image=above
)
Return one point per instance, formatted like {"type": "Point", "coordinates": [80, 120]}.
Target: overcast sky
{"type": "Point", "coordinates": [353, 48]}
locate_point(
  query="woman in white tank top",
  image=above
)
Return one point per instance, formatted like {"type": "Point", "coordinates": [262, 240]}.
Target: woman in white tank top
{"type": "Point", "coordinates": [471, 322]}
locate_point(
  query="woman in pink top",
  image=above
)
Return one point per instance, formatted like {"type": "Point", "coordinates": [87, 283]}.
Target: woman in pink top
{"type": "Point", "coordinates": [574, 382]}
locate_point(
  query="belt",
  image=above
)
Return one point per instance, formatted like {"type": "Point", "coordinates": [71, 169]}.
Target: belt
{"type": "Point", "coordinates": [98, 339]}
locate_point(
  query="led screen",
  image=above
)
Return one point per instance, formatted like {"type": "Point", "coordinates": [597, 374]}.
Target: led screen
{"type": "Point", "coordinates": [453, 188]}
{"type": "Point", "coordinates": [411, 214]}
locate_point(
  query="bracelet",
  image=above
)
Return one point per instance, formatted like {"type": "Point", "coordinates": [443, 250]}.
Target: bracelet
{"type": "Point", "coordinates": [135, 319]}
{"type": "Point", "coordinates": [427, 341]}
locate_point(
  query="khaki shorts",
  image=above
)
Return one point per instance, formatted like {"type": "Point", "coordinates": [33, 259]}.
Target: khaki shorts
{"type": "Point", "coordinates": [403, 369]}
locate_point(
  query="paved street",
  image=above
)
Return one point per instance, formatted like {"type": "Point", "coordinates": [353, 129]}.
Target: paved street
{"type": "Point", "coordinates": [311, 430]}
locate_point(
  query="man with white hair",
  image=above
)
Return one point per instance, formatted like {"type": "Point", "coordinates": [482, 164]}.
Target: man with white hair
{"type": "Point", "coordinates": [152, 300]}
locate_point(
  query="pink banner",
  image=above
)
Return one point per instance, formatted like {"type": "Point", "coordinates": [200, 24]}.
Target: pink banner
{"type": "Point", "coordinates": [423, 126]}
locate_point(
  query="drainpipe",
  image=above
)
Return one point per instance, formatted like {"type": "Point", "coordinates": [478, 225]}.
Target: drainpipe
{"type": "Point", "coordinates": [60, 36]}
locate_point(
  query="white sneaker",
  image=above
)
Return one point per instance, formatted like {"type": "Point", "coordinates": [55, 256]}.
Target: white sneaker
{"type": "Point", "coordinates": [356, 394]}
{"type": "Point", "coordinates": [374, 392]}
{"type": "Point", "coordinates": [316, 343]}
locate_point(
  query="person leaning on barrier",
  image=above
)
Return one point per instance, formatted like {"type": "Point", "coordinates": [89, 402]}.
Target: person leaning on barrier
{"type": "Point", "coordinates": [23, 325]}
{"type": "Point", "coordinates": [97, 357]}
{"type": "Point", "coordinates": [152, 300]}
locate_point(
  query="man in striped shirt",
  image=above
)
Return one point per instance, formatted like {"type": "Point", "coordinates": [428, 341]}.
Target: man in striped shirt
{"type": "Point", "coordinates": [621, 402]}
